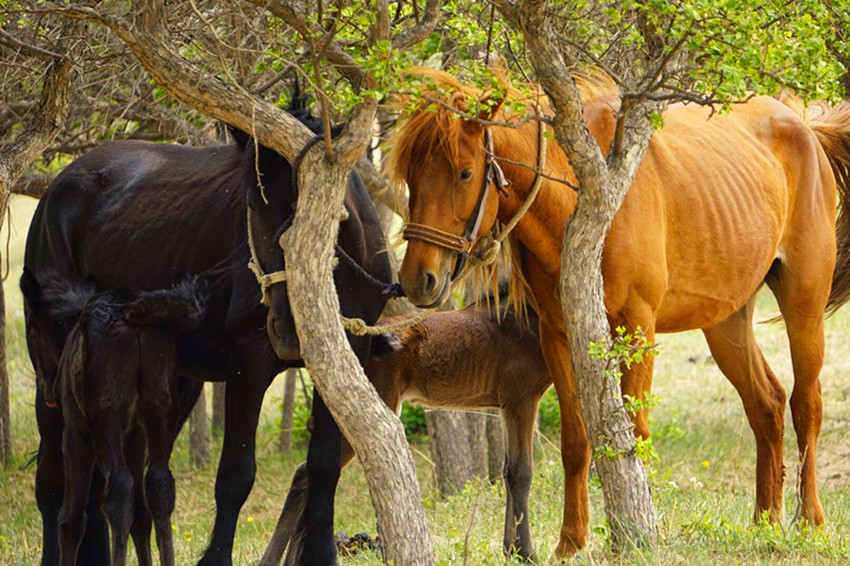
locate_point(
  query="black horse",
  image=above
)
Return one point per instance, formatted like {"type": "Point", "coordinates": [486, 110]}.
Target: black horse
{"type": "Point", "coordinates": [144, 216]}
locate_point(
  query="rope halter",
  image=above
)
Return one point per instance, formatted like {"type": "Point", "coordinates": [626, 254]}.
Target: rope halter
{"type": "Point", "coordinates": [266, 280]}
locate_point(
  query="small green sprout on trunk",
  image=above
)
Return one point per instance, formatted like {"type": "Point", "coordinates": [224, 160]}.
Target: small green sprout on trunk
{"type": "Point", "coordinates": [622, 351]}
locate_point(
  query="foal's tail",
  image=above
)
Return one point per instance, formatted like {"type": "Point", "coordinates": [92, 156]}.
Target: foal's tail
{"type": "Point", "coordinates": [182, 305]}
{"type": "Point", "coordinates": [832, 129]}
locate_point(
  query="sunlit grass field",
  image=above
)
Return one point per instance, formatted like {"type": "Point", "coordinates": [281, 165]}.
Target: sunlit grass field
{"type": "Point", "coordinates": [703, 485]}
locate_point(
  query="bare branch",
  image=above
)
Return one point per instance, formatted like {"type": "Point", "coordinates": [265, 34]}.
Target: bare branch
{"type": "Point", "coordinates": [422, 28]}
{"type": "Point", "coordinates": [190, 85]}
{"type": "Point", "coordinates": [333, 51]}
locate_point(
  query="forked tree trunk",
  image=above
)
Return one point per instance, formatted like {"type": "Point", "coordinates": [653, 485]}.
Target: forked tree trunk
{"type": "Point", "coordinates": [376, 434]}
{"type": "Point", "coordinates": [288, 410]}
{"type": "Point", "coordinates": [5, 408]}
{"type": "Point", "coordinates": [219, 389]}
{"type": "Point", "coordinates": [199, 437]}
{"type": "Point", "coordinates": [603, 185]}
{"type": "Point", "coordinates": [495, 445]}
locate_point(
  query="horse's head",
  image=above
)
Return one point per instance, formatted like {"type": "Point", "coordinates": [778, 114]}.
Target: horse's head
{"type": "Point", "coordinates": [270, 197]}
{"type": "Point", "coordinates": [443, 158]}
{"type": "Point", "coordinates": [271, 194]}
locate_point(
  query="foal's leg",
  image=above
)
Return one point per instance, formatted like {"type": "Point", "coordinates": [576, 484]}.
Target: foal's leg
{"type": "Point", "coordinates": [739, 358]}
{"type": "Point", "coordinates": [141, 528]}
{"type": "Point", "coordinates": [518, 423]}
{"type": "Point", "coordinates": [237, 467]}
{"type": "Point", "coordinates": [158, 394]}
{"type": "Point", "coordinates": [78, 464]}
{"type": "Point", "coordinates": [107, 429]}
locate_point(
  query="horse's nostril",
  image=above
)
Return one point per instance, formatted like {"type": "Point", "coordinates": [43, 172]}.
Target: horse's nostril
{"type": "Point", "coordinates": [430, 283]}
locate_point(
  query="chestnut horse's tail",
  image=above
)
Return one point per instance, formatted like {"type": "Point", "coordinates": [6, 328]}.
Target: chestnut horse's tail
{"type": "Point", "coordinates": [832, 128]}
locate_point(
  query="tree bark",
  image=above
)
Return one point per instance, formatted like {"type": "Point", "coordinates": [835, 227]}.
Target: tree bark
{"type": "Point", "coordinates": [376, 434]}
{"type": "Point", "coordinates": [476, 431]}
{"type": "Point", "coordinates": [448, 441]}
{"type": "Point", "coordinates": [5, 409]}
{"type": "Point", "coordinates": [495, 445]}
{"type": "Point", "coordinates": [219, 389]}
{"type": "Point", "coordinates": [199, 438]}
{"type": "Point", "coordinates": [288, 410]}
{"type": "Point", "coordinates": [603, 186]}
{"type": "Point", "coordinates": [15, 157]}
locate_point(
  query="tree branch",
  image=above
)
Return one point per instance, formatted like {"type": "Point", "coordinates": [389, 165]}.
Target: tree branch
{"type": "Point", "coordinates": [189, 85]}
{"type": "Point", "coordinates": [422, 28]}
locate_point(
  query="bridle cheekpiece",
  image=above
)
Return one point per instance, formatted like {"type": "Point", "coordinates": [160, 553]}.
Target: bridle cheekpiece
{"type": "Point", "coordinates": [463, 244]}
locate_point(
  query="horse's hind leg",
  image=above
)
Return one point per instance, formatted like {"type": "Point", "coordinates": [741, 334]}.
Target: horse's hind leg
{"type": "Point", "coordinates": [734, 348]}
{"type": "Point", "coordinates": [802, 297]}
{"type": "Point", "coordinates": [141, 527]}
{"type": "Point", "coordinates": [518, 424]}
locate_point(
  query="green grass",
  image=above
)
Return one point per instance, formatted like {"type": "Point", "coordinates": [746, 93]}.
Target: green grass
{"type": "Point", "coordinates": [703, 486]}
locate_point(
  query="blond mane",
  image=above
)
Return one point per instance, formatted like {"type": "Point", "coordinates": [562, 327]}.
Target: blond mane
{"type": "Point", "coordinates": [434, 120]}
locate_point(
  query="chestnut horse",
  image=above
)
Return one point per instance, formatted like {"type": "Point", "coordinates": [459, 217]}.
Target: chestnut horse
{"type": "Point", "coordinates": [720, 205]}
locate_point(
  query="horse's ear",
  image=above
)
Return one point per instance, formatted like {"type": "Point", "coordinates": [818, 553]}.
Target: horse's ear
{"type": "Point", "coordinates": [240, 137]}
{"type": "Point", "coordinates": [489, 106]}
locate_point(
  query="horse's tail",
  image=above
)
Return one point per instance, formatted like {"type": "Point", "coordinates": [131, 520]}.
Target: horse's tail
{"type": "Point", "coordinates": [832, 128]}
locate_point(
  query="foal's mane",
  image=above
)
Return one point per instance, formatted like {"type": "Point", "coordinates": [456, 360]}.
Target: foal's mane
{"type": "Point", "coordinates": [435, 121]}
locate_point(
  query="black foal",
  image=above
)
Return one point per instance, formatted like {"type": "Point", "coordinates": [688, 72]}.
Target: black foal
{"type": "Point", "coordinates": [117, 385]}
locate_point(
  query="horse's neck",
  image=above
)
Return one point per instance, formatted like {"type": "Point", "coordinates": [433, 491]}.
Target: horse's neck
{"type": "Point", "coordinates": [541, 227]}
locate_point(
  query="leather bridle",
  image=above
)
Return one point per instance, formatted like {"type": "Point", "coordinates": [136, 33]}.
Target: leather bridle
{"type": "Point", "coordinates": [463, 244]}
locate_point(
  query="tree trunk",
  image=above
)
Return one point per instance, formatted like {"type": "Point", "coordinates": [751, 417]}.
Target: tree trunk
{"type": "Point", "coordinates": [219, 390]}
{"type": "Point", "coordinates": [5, 408]}
{"type": "Point", "coordinates": [199, 439]}
{"type": "Point", "coordinates": [15, 157]}
{"type": "Point", "coordinates": [625, 485]}
{"type": "Point", "coordinates": [476, 429]}
{"type": "Point", "coordinates": [495, 445]}
{"type": "Point", "coordinates": [288, 410]}
{"type": "Point", "coordinates": [448, 441]}
{"type": "Point", "coordinates": [376, 434]}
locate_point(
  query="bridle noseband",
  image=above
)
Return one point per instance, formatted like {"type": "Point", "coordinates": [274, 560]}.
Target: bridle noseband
{"type": "Point", "coordinates": [463, 244]}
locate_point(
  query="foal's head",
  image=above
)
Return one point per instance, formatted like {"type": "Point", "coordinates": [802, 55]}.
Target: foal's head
{"type": "Point", "coordinates": [441, 154]}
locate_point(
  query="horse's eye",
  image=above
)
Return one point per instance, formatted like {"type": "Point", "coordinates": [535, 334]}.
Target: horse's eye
{"type": "Point", "coordinates": [465, 175]}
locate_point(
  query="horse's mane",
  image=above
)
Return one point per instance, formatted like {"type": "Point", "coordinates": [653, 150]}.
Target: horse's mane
{"type": "Point", "coordinates": [434, 121]}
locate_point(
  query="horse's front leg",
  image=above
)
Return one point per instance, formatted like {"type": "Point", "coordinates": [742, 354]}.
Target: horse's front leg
{"type": "Point", "coordinates": [575, 446]}
{"type": "Point", "coordinates": [237, 467]}
{"type": "Point", "coordinates": [312, 543]}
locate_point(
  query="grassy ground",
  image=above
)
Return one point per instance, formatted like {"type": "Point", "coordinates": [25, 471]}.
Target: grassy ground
{"type": "Point", "coordinates": [703, 485]}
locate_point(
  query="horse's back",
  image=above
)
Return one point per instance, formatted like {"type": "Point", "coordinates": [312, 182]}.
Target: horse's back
{"type": "Point", "coordinates": [137, 214]}
{"type": "Point", "coordinates": [708, 212]}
